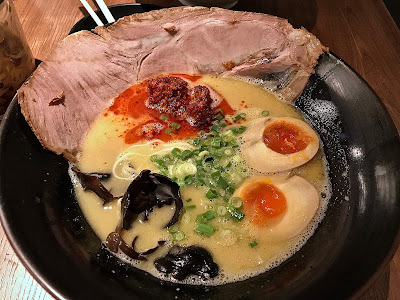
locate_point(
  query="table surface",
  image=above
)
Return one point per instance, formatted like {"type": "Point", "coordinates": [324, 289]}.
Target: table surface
{"type": "Point", "coordinates": [361, 32]}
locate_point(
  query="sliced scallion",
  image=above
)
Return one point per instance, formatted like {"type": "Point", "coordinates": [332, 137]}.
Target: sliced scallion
{"type": "Point", "coordinates": [186, 154]}
{"type": "Point", "coordinates": [211, 194]}
{"type": "Point", "coordinates": [229, 152]}
{"type": "Point", "coordinates": [189, 180]}
{"type": "Point", "coordinates": [178, 235]}
{"type": "Point", "coordinates": [209, 215]}
{"type": "Point", "coordinates": [253, 244]}
{"type": "Point", "coordinates": [222, 183]}
{"type": "Point", "coordinates": [237, 118]}
{"type": "Point", "coordinates": [221, 210]}
{"type": "Point", "coordinates": [235, 213]}
{"type": "Point", "coordinates": [219, 117]}
{"type": "Point", "coordinates": [205, 229]}
{"type": "Point", "coordinates": [265, 113]}
{"type": "Point", "coordinates": [216, 143]}
{"type": "Point", "coordinates": [190, 207]}
{"type": "Point", "coordinates": [236, 202]}
{"type": "Point", "coordinates": [230, 190]}
{"type": "Point", "coordinates": [168, 131]}
{"type": "Point", "coordinates": [176, 152]}
{"type": "Point", "coordinates": [215, 175]}
{"type": "Point", "coordinates": [203, 153]}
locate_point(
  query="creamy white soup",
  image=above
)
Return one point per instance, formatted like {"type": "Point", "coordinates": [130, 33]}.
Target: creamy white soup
{"type": "Point", "coordinates": [253, 180]}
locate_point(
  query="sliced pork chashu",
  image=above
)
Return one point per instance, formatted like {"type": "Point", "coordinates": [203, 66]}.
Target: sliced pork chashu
{"type": "Point", "coordinates": [88, 70]}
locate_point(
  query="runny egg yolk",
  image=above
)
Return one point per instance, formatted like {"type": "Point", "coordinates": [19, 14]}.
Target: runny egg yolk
{"type": "Point", "coordinates": [262, 201]}
{"type": "Point", "coordinates": [285, 138]}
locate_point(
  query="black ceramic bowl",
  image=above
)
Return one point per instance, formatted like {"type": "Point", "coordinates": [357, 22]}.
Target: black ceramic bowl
{"type": "Point", "coordinates": [356, 239]}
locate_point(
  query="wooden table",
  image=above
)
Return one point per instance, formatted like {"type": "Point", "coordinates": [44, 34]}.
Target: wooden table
{"type": "Point", "coordinates": [361, 32]}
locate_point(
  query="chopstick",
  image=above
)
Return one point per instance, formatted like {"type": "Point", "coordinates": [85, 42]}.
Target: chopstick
{"type": "Point", "coordinates": [92, 13]}
{"type": "Point", "coordinates": [106, 12]}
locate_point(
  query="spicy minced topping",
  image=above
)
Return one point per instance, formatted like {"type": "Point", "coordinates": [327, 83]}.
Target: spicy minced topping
{"type": "Point", "coordinates": [167, 108]}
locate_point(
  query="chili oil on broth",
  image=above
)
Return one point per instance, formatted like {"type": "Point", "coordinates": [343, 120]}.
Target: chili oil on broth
{"type": "Point", "coordinates": [229, 245]}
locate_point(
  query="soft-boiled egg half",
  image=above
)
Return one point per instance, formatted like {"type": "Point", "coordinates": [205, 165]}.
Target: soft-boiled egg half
{"type": "Point", "coordinates": [279, 144]}
{"type": "Point", "coordinates": [280, 207]}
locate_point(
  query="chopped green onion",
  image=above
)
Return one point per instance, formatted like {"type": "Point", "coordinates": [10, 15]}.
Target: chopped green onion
{"type": "Point", "coordinates": [228, 136]}
{"type": "Point", "coordinates": [216, 143]}
{"type": "Point", "coordinates": [229, 152]}
{"type": "Point", "coordinates": [235, 131]}
{"type": "Point", "coordinates": [200, 182]}
{"type": "Point", "coordinates": [211, 194]}
{"type": "Point", "coordinates": [219, 117]}
{"type": "Point", "coordinates": [221, 210]}
{"type": "Point", "coordinates": [176, 125]}
{"type": "Point", "coordinates": [253, 244]}
{"type": "Point", "coordinates": [228, 165]}
{"type": "Point", "coordinates": [205, 229]}
{"type": "Point", "coordinates": [164, 118]}
{"type": "Point", "coordinates": [230, 190]}
{"type": "Point", "coordinates": [235, 213]}
{"type": "Point", "coordinates": [190, 207]}
{"type": "Point", "coordinates": [186, 154]}
{"type": "Point", "coordinates": [237, 118]}
{"type": "Point", "coordinates": [201, 219]}
{"type": "Point", "coordinates": [189, 180]}
{"type": "Point", "coordinates": [209, 215]}
{"type": "Point", "coordinates": [180, 181]}
{"type": "Point", "coordinates": [237, 158]}
{"type": "Point", "coordinates": [242, 129]}
{"type": "Point", "coordinates": [178, 235]}
{"type": "Point", "coordinates": [213, 183]}
{"type": "Point", "coordinates": [189, 199]}
{"type": "Point", "coordinates": [215, 128]}
{"type": "Point", "coordinates": [176, 152]}
{"type": "Point", "coordinates": [196, 141]}
{"type": "Point", "coordinates": [168, 131]}
{"type": "Point", "coordinates": [238, 130]}
{"type": "Point", "coordinates": [236, 202]}
{"type": "Point", "coordinates": [183, 170]}
{"type": "Point", "coordinates": [265, 113]}
{"type": "Point", "coordinates": [215, 175]}
{"type": "Point", "coordinates": [203, 153]}
{"type": "Point", "coordinates": [222, 182]}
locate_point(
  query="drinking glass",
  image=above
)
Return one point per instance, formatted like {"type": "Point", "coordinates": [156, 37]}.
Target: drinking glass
{"type": "Point", "coordinates": [16, 60]}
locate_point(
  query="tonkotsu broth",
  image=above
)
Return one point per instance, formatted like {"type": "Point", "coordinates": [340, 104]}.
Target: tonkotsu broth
{"type": "Point", "coordinates": [229, 245]}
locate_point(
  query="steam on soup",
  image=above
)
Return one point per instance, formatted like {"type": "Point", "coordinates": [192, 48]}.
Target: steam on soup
{"type": "Point", "coordinates": [210, 180]}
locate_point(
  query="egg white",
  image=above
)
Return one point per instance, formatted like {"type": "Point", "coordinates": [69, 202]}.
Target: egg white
{"type": "Point", "coordinates": [263, 159]}
{"type": "Point", "coordinates": [302, 202]}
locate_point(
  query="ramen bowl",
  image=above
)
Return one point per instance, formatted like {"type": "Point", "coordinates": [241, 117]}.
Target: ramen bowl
{"type": "Point", "coordinates": [352, 245]}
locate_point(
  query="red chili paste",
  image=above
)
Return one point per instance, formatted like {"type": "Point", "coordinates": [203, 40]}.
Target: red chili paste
{"type": "Point", "coordinates": [169, 96]}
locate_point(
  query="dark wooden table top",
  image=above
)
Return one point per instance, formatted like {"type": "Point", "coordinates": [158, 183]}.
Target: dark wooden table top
{"type": "Point", "coordinates": [361, 32]}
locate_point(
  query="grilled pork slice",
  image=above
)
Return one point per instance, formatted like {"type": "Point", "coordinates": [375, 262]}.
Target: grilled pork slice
{"type": "Point", "coordinates": [88, 70]}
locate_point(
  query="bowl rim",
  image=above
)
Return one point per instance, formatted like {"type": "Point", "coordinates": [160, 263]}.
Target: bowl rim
{"type": "Point", "coordinates": [55, 293]}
